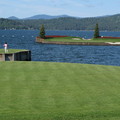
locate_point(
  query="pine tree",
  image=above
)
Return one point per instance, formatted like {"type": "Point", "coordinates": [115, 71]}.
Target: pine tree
{"type": "Point", "coordinates": [96, 33]}
{"type": "Point", "coordinates": [42, 32]}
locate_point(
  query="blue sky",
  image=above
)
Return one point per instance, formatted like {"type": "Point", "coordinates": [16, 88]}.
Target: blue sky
{"type": "Point", "coordinates": [79, 8]}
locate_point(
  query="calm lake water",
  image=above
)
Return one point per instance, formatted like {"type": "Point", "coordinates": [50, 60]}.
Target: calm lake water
{"type": "Point", "coordinates": [25, 39]}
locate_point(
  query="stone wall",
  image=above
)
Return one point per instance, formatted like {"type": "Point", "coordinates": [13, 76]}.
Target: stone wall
{"type": "Point", "coordinates": [18, 56]}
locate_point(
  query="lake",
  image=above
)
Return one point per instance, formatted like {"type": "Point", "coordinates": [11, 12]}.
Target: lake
{"type": "Point", "coordinates": [25, 39]}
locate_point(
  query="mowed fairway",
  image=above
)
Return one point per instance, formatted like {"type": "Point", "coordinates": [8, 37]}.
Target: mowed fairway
{"type": "Point", "coordinates": [59, 91]}
{"type": "Point", "coordinates": [78, 39]}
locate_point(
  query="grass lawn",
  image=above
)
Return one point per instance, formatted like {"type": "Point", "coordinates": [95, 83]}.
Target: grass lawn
{"type": "Point", "coordinates": [11, 50]}
{"type": "Point", "coordinates": [77, 39]}
{"type": "Point", "coordinates": [59, 91]}
{"type": "Point", "coordinates": [65, 39]}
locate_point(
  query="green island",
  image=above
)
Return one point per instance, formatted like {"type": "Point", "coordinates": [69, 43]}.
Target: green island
{"type": "Point", "coordinates": [96, 40]}
{"type": "Point", "coordinates": [59, 91]}
{"type": "Point", "coordinates": [2, 51]}
{"type": "Point", "coordinates": [78, 39]}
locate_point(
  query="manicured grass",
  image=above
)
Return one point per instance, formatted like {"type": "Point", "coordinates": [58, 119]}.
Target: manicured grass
{"type": "Point", "coordinates": [64, 39]}
{"type": "Point", "coordinates": [59, 91]}
{"type": "Point", "coordinates": [11, 50]}
{"type": "Point", "coordinates": [73, 39]}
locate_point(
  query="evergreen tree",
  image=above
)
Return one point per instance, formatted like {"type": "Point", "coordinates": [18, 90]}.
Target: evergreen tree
{"type": "Point", "coordinates": [96, 32]}
{"type": "Point", "coordinates": [42, 32]}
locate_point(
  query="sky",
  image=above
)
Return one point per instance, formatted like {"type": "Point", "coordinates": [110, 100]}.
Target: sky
{"type": "Point", "coordinates": [77, 8]}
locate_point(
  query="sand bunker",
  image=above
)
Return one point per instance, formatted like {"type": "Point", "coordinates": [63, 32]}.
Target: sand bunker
{"type": "Point", "coordinates": [113, 43]}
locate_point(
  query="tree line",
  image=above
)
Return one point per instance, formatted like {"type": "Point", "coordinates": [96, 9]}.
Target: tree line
{"type": "Point", "coordinates": [42, 32]}
{"type": "Point", "coordinates": [110, 23]}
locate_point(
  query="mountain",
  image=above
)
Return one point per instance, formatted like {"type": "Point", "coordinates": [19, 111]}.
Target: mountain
{"type": "Point", "coordinates": [13, 18]}
{"type": "Point", "coordinates": [37, 17]}
{"type": "Point", "coordinates": [107, 23]}
{"type": "Point", "coordinates": [47, 17]}
{"type": "Point", "coordinates": [43, 16]}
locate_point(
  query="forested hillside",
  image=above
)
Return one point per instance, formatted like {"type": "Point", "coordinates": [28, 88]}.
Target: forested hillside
{"type": "Point", "coordinates": [11, 24]}
{"type": "Point", "coordinates": [110, 23]}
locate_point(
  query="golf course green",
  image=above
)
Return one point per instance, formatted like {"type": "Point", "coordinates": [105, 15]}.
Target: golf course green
{"type": "Point", "coordinates": [78, 39]}
{"type": "Point", "coordinates": [59, 91]}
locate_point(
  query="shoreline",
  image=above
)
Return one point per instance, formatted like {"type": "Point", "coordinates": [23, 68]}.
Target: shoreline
{"type": "Point", "coordinates": [80, 43]}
